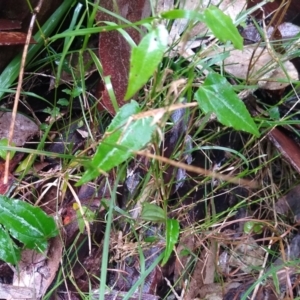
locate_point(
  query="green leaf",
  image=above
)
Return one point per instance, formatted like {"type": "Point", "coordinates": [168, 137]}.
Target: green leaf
{"type": "Point", "coordinates": [89, 216]}
{"type": "Point", "coordinates": [145, 58]}
{"type": "Point", "coordinates": [253, 227]}
{"type": "Point", "coordinates": [172, 234]}
{"type": "Point", "coordinates": [123, 136]}
{"type": "Point", "coordinates": [120, 119]}
{"type": "Point", "coordinates": [222, 26]}
{"type": "Point", "coordinates": [63, 102]}
{"type": "Point", "coordinates": [191, 15]}
{"type": "Point", "coordinates": [153, 213]}
{"type": "Point", "coordinates": [29, 224]}
{"type": "Point", "coordinates": [274, 113]}
{"type": "Point", "coordinates": [10, 253]}
{"type": "Point", "coordinates": [4, 142]}
{"type": "Point", "coordinates": [217, 95]}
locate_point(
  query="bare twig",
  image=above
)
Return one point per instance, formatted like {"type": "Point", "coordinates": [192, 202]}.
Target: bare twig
{"type": "Point", "coordinates": [198, 170]}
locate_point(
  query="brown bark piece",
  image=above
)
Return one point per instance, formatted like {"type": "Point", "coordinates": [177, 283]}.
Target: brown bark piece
{"type": "Point", "coordinates": [114, 50]}
{"type": "Point", "coordinates": [9, 24]}
{"type": "Point", "coordinates": [287, 147]}
{"type": "Point", "coordinates": [14, 38]}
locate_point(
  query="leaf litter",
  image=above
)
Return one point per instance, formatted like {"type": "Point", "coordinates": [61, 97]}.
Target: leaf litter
{"type": "Point", "coordinates": [207, 250]}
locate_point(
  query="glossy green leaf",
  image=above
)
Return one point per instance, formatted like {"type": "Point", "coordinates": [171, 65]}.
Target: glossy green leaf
{"type": "Point", "coordinates": [274, 113]}
{"type": "Point", "coordinates": [153, 213]}
{"type": "Point", "coordinates": [253, 227]}
{"type": "Point", "coordinates": [145, 58]}
{"type": "Point", "coordinates": [123, 115]}
{"type": "Point", "coordinates": [217, 95]}
{"type": "Point", "coordinates": [3, 153]}
{"type": "Point", "coordinates": [28, 224]}
{"type": "Point", "coordinates": [9, 251]}
{"type": "Point", "coordinates": [191, 15]}
{"type": "Point", "coordinates": [172, 234]}
{"type": "Point", "coordinates": [123, 136]}
{"type": "Point", "coordinates": [222, 26]}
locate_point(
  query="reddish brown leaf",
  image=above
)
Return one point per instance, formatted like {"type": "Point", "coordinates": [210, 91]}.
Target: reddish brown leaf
{"type": "Point", "coordinates": [114, 50]}
{"type": "Point", "coordinates": [9, 24]}
{"type": "Point", "coordinates": [287, 147]}
{"type": "Point", "coordinates": [13, 38]}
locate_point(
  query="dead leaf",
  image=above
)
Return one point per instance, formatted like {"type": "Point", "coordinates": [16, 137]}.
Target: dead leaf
{"type": "Point", "coordinates": [213, 291]}
{"type": "Point", "coordinates": [37, 270]}
{"type": "Point", "coordinates": [24, 128]}
{"type": "Point", "coordinates": [203, 273]}
{"type": "Point", "coordinates": [9, 24]}
{"type": "Point", "coordinates": [8, 291]}
{"type": "Point", "coordinates": [14, 38]}
{"type": "Point", "coordinates": [287, 30]}
{"type": "Point", "coordinates": [210, 266]}
{"type": "Point", "coordinates": [163, 5]}
{"type": "Point", "coordinates": [286, 146]}
{"type": "Point", "coordinates": [245, 256]}
{"type": "Point", "coordinates": [257, 66]}
{"type": "Point", "coordinates": [289, 204]}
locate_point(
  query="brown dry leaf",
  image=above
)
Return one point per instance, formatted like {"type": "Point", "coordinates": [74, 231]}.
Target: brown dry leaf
{"type": "Point", "coordinates": [210, 266]}
{"type": "Point", "coordinates": [289, 204]}
{"type": "Point", "coordinates": [163, 5]}
{"type": "Point", "coordinates": [196, 281]}
{"type": "Point", "coordinates": [114, 50]}
{"type": "Point", "coordinates": [286, 146]}
{"type": "Point", "coordinates": [37, 270]}
{"type": "Point", "coordinates": [24, 128]}
{"type": "Point", "coordinates": [203, 274]}
{"type": "Point", "coordinates": [213, 291]}
{"type": "Point", "coordinates": [9, 24]}
{"type": "Point", "coordinates": [8, 291]}
{"type": "Point", "coordinates": [246, 255]}
{"type": "Point", "coordinates": [257, 66]}
{"type": "Point", "coordinates": [286, 31]}
{"type": "Point", "coordinates": [14, 38]}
